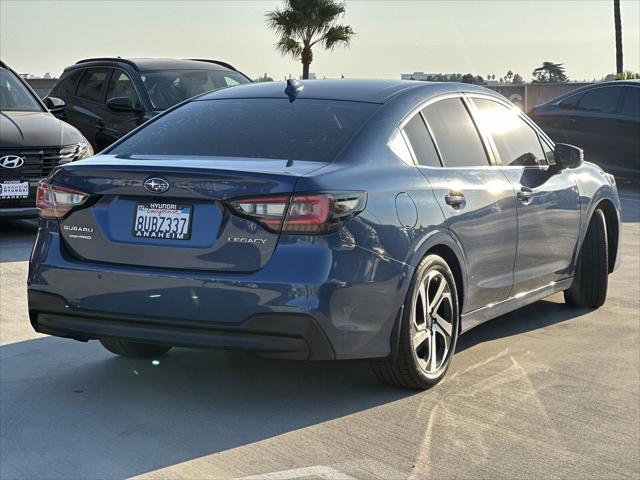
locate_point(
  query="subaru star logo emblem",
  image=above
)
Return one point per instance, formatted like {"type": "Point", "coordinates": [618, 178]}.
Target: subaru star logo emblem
{"type": "Point", "coordinates": [11, 161]}
{"type": "Point", "coordinates": [156, 185]}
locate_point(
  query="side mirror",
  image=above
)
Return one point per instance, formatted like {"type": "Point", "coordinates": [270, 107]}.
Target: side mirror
{"type": "Point", "coordinates": [567, 156]}
{"type": "Point", "coordinates": [121, 104]}
{"type": "Point", "coordinates": [54, 104]}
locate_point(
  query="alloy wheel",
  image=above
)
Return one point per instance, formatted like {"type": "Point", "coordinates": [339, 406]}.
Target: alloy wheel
{"type": "Point", "coordinates": [432, 322]}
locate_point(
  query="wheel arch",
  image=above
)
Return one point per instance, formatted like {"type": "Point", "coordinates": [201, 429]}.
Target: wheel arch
{"type": "Point", "coordinates": [449, 256]}
{"type": "Point", "coordinates": [613, 228]}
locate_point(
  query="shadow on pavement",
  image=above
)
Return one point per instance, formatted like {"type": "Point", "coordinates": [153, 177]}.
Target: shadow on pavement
{"type": "Point", "coordinates": [71, 410]}
{"type": "Point", "coordinates": [540, 314]}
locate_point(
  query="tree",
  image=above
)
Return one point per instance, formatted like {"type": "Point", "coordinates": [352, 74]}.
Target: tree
{"type": "Point", "coordinates": [508, 76]}
{"type": "Point", "coordinates": [302, 24]}
{"type": "Point", "coordinates": [617, 20]}
{"type": "Point", "coordinates": [264, 78]}
{"type": "Point", "coordinates": [628, 75]}
{"type": "Point", "coordinates": [550, 72]}
{"type": "Point", "coordinates": [467, 78]}
{"type": "Point", "coordinates": [517, 79]}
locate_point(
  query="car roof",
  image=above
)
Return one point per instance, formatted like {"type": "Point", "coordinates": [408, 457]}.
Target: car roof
{"type": "Point", "coordinates": [357, 90]}
{"type": "Point", "coordinates": [150, 64]}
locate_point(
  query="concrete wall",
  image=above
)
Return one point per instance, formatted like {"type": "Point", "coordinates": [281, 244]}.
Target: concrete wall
{"type": "Point", "coordinates": [529, 96]}
{"type": "Point", "coordinates": [42, 86]}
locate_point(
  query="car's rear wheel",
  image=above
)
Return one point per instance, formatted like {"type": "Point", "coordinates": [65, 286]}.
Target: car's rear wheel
{"type": "Point", "coordinates": [428, 330]}
{"type": "Point", "coordinates": [589, 287]}
{"type": "Point", "coordinates": [133, 349]}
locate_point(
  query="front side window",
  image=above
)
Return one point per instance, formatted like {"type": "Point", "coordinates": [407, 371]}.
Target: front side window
{"type": "Point", "coordinates": [169, 87]}
{"type": "Point", "coordinates": [571, 103]}
{"type": "Point", "coordinates": [252, 128]}
{"type": "Point", "coordinates": [601, 100]}
{"type": "Point", "coordinates": [516, 141]}
{"type": "Point", "coordinates": [421, 143]}
{"type": "Point", "coordinates": [14, 96]}
{"type": "Point", "coordinates": [631, 103]}
{"type": "Point", "coordinates": [92, 84]}
{"type": "Point", "coordinates": [66, 86]}
{"type": "Point", "coordinates": [122, 86]}
{"type": "Point", "coordinates": [455, 133]}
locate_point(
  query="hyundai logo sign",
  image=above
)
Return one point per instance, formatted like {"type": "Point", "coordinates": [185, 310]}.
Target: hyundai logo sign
{"type": "Point", "coordinates": [156, 185]}
{"type": "Point", "coordinates": [11, 161]}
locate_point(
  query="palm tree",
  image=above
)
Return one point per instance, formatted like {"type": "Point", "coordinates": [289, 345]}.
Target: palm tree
{"type": "Point", "coordinates": [302, 24]}
{"type": "Point", "coordinates": [618, 23]}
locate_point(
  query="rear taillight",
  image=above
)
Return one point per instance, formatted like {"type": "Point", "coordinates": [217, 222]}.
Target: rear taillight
{"type": "Point", "coordinates": [55, 201]}
{"type": "Point", "coordinates": [306, 213]}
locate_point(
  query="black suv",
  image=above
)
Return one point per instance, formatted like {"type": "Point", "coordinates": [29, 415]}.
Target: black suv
{"type": "Point", "coordinates": [106, 98]}
{"type": "Point", "coordinates": [603, 119]}
{"type": "Point", "coordinates": [32, 143]}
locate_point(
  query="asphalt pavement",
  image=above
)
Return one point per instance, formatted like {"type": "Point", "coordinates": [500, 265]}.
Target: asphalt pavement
{"type": "Point", "coordinates": [544, 392]}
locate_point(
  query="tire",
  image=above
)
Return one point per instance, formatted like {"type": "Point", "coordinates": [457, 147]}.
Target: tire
{"type": "Point", "coordinates": [414, 366]}
{"type": "Point", "coordinates": [589, 287]}
{"type": "Point", "coordinates": [133, 349]}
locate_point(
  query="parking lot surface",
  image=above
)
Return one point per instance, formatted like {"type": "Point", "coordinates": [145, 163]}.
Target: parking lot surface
{"type": "Point", "coordinates": [546, 392]}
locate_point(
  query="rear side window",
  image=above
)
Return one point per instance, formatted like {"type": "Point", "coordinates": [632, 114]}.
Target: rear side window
{"type": "Point", "coordinates": [516, 141]}
{"type": "Point", "coordinates": [421, 143]}
{"type": "Point", "coordinates": [66, 86]}
{"type": "Point", "coordinates": [455, 133]}
{"type": "Point", "coordinates": [631, 103]}
{"type": "Point", "coordinates": [601, 100]}
{"type": "Point", "coordinates": [92, 83]}
{"type": "Point", "coordinates": [255, 127]}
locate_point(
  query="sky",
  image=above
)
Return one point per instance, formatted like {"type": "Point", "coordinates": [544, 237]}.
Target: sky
{"type": "Point", "coordinates": [393, 36]}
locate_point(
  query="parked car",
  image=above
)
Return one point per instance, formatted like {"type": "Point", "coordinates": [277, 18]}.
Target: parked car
{"type": "Point", "coordinates": [32, 143]}
{"type": "Point", "coordinates": [106, 98]}
{"type": "Point", "coordinates": [602, 119]}
{"type": "Point", "coordinates": [332, 220]}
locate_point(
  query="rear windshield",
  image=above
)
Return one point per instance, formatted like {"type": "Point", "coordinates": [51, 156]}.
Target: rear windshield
{"type": "Point", "coordinates": [258, 128]}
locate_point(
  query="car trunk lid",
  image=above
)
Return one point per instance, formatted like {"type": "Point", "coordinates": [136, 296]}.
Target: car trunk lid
{"type": "Point", "coordinates": [190, 225]}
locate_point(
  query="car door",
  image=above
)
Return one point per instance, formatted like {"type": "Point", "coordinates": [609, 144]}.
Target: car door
{"type": "Point", "coordinates": [626, 147]}
{"type": "Point", "coordinates": [548, 201]}
{"type": "Point", "coordinates": [477, 201]}
{"type": "Point", "coordinates": [88, 108]}
{"type": "Point", "coordinates": [65, 89]}
{"type": "Point", "coordinates": [593, 124]}
{"type": "Point", "coordinates": [117, 123]}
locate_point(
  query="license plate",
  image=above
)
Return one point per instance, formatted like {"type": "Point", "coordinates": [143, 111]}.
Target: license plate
{"type": "Point", "coordinates": [14, 189]}
{"type": "Point", "coordinates": [168, 221]}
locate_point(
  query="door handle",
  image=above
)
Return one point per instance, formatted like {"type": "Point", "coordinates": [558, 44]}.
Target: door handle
{"type": "Point", "coordinates": [524, 194]}
{"type": "Point", "coordinates": [455, 199]}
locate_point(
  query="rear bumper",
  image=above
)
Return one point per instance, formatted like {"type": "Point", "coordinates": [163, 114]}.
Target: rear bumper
{"type": "Point", "coordinates": [295, 337]}
{"type": "Point", "coordinates": [315, 300]}
{"type": "Point", "coordinates": [19, 212]}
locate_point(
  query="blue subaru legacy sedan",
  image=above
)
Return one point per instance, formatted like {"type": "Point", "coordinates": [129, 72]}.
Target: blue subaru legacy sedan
{"type": "Point", "coordinates": [321, 220]}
